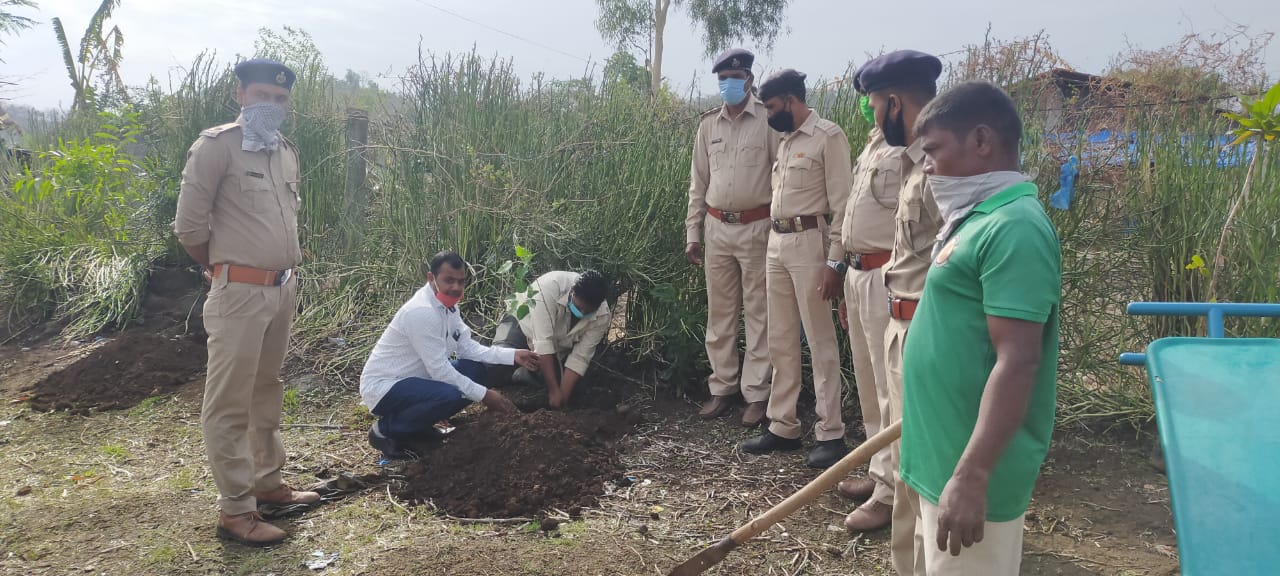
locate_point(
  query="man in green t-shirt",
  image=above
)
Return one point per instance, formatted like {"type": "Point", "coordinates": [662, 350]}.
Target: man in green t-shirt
{"type": "Point", "coordinates": [982, 354]}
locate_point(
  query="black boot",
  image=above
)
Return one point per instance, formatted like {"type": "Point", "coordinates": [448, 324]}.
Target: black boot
{"type": "Point", "coordinates": [769, 442]}
{"type": "Point", "coordinates": [826, 453]}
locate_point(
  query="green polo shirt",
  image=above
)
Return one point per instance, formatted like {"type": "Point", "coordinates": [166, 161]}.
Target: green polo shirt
{"type": "Point", "coordinates": [1003, 261]}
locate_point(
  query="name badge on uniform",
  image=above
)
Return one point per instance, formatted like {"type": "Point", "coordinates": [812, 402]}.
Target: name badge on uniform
{"type": "Point", "coordinates": [717, 140]}
{"type": "Point", "coordinates": [254, 174]}
{"type": "Point", "coordinates": [799, 154]}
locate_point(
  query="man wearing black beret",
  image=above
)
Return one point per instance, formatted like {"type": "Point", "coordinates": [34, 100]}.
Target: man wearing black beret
{"type": "Point", "coordinates": [803, 268]}
{"type": "Point", "coordinates": [238, 218]}
{"type": "Point", "coordinates": [867, 236]}
{"type": "Point", "coordinates": [900, 84]}
{"type": "Point", "coordinates": [733, 153]}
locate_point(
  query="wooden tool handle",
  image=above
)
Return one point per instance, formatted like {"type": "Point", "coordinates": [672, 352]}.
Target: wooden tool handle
{"type": "Point", "coordinates": [817, 486]}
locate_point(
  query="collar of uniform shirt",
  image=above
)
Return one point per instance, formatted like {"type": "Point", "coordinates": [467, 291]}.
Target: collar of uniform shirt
{"type": "Point", "coordinates": [750, 108]}
{"type": "Point", "coordinates": [809, 123]}
{"type": "Point", "coordinates": [916, 152]}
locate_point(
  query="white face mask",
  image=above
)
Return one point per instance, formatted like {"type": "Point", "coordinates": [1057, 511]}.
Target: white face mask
{"type": "Point", "coordinates": [262, 123]}
{"type": "Point", "coordinates": [957, 195]}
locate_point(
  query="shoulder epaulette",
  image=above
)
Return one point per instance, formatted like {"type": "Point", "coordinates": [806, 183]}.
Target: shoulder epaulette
{"type": "Point", "coordinates": [218, 130]}
{"type": "Point", "coordinates": [830, 127]}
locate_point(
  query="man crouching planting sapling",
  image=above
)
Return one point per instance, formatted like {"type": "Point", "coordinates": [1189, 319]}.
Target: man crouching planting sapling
{"type": "Point", "coordinates": [981, 357]}
{"type": "Point", "coordinates": [425, 367]}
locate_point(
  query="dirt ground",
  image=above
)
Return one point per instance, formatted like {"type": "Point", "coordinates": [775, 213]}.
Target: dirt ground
{"type": "Point", "coordinates": [128, 491]}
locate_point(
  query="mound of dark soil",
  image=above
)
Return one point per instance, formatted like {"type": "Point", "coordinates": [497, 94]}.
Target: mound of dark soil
{"type": "Point", "coordinates": [510, 465]}
{"type": "Point", "coordinates": [121, 373]}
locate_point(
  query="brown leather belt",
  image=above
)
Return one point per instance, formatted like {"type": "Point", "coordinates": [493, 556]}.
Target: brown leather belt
{"type": "Point", "coordinates": [255, 276]}
{"type": "Point", "coordinates": [796, 224]}
{"type": "Point", "coordinates": [744, 217]}
{"type": "Point", "coordinates": [902, 309]}
{"type": "Point", "coordinates": [867, 261]}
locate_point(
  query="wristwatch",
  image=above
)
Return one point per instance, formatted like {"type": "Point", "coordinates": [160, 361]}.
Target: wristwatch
{"type": "Point", "coordinates": [837, 265]}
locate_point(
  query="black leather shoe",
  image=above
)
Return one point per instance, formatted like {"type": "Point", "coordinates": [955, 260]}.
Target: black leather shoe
{"type": "Point", "coordinates": [386, 445]}
{"type": "Point", "coordinates": [769, 442]}
{"type": "Point", "coordinates": [826, 453]}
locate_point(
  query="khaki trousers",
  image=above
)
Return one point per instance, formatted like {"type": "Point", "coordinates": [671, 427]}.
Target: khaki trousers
{"type": "Point", "coordinates": [904, 545]}
{"type": "Point", "coordinates": [866, 304]}
{"type": "Point", "coordinates": [794, 272]}
{"type": "Point", "coordinates": [735, 269]}
{"type": "Point", "coordinates": [999, 553]}
{"type": "Point", "coordinates": [248, 330]}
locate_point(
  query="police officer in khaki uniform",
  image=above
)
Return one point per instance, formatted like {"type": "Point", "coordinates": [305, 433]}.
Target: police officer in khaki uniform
{"type": "Point", "coordinates": [729, 181]}
{"type": "Point", "coordinates": [238, 218]}
{"type": "Point", "coordinates": [899, 85]}
{"type": "Point", "coordinates": [804, 263]}
{"type": "Point", "coordinates": [867, 237]}
{"type": "Point", "coordinates": [870, 226]}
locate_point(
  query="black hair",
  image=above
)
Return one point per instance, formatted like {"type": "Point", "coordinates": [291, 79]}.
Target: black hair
{"type": "Point", "coordinates": [446, 257]}
{"type": "Point", "coordinates": [968, 105]}
{"type": "Point", "coordinates": [785, 83]}
{"type": "Point", "coordinates": [920, 92]}
{"type": "Point", "coordinates": [591, 287]}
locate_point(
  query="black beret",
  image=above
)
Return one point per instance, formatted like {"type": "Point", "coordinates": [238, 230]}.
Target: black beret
{"type": "Point", "coordinates": [734, 59]}
{"type": "Point", "coordinates": [786, 81]}
{"type": "Point", "coordinates": [900, 68]}
{"type": "Point", "coordinates": [264, 71]}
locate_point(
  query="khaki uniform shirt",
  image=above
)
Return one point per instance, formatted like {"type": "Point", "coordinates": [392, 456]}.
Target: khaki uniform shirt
{"type": "Point", "coordinates": [870, 212]}
{"type": "Point", "coordinates": [732, 158]}
{"type": "Point", "coordinates": [812, 176]}
{"type": "Point", "coordinates": [546, 326]}
{"type": "Point", "coordinates": [243, 204]}
{"type": "Point", "coordinates": [918, 222]}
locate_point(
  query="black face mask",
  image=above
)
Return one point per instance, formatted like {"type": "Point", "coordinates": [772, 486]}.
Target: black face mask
{"type": "Point", "coordinates": [895, 131]}
{"type": "Point", "coordinates": [783, 121]}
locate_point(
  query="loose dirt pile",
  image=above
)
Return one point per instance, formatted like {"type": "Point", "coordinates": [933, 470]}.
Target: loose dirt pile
{"type": "Point", "coordinates": [121, 373]}
{"type": "Point", "coordinates": [506, 466]}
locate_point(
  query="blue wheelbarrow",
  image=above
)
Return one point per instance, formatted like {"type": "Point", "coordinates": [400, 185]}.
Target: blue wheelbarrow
{"type": "Point", "coordinates": [1217, 405]}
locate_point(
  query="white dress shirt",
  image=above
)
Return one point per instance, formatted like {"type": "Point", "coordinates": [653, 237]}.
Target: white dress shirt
{"type": "Point", "coordinates": [421, 339]}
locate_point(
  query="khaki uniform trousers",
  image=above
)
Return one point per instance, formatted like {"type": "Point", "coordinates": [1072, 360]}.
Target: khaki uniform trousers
{"type": "Point", "coordinates": [248, 330]}
{"type": "Point", "coordinates": [794, 273]}
{"type": "Point", "coordinates": [866, 301]}
{"type": "Point", "coordinates": [734, 262]}
{"type": "Point", "coordinates": [999, 553]}
{"type": "Point", "coordinates": [905, 545]}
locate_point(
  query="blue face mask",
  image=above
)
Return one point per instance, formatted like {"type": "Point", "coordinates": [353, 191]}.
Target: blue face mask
{"type": "Point", "coordinates": [732, 91]}
{"type": "Point", "coordinates": [573, 309]}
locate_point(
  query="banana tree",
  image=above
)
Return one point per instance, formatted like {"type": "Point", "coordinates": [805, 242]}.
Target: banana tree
{"type": "Point", "coordinates": [1259, 122]}
{"type": "Point", "coordinates": [99, 54]}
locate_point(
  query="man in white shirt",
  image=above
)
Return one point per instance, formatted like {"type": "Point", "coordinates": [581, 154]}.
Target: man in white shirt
{"type": "Point", "coordinates": [425, 367]}
{"type": "Point", "coordinates": [567, 320]}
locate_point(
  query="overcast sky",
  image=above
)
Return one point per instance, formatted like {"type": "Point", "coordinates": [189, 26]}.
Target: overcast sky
{"type": "Point", "coordinates": [380, 37]}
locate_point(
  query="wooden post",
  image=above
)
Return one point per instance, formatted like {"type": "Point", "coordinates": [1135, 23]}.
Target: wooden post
{"type": "Point", "coordinates": [355, 200]}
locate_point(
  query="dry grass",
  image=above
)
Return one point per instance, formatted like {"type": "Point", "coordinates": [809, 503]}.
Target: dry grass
{"type": "Point", "coordinates": [130, 493]}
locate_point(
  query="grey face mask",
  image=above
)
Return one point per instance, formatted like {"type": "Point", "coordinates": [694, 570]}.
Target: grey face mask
{"type": "Point", "coordinates": [262, 123]}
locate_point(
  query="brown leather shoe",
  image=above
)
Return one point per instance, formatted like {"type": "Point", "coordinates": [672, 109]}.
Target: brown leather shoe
{"type": "Point", "coordinates": [869, 517]}
{"type": "Point", "coordinates": [754, 414]}
{"type": "Point", "coordinates": [714, 408]}
{"type": "Point", "coordinates": [283, 495]}
{"type": "Point", "coordinates": [249, 529]}
{"type": "Point", "coordinates": [856, 489]}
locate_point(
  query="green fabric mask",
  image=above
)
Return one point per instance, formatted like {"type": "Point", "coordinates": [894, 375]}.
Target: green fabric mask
{"type": "Point", "coordinates": [864, 104]}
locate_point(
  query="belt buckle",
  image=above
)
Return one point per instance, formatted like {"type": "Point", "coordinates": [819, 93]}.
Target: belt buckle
{"type": "Point", "coordinates": [732, 217]}
{"type": "Point", "coordinates": [779, 226]}
{"type": "Point", "coordinates": [857, 261]}
{"type": "Point", "coordinates": [283, 277]}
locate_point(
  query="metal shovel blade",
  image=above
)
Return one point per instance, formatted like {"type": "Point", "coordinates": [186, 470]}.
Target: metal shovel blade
{"type": "Point", "coordinates": [705, 559]}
